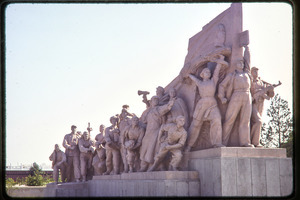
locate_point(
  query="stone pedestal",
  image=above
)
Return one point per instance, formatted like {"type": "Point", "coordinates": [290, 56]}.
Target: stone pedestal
{"type": "Point", "coordinates": [159, 184]}
{"type": "Point", "coordinates": [226, 171]}
{"type": "Point", "coordinates": [67, 190]}
{"type": "Point", "coordinates": [239, 171]}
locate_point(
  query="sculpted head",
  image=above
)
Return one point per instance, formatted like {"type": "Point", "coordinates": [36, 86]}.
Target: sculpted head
{"type": "Point", "coordinates": [101, 128]}
{"type": "Point", "coordinates": [254, 72]}
{"type": "Point", "coordinates": [154, 101]}
{"type": "Point", "coordinates": [73, 128]}
{"type": "Point", "coordinates": [135, 121]}
{"type": "Point", "coordinates": [205, 74]}
{"type": "Point", "coordinates": [239, 64]}
{"type": "Point", "coordinates": [56, 147]}
{"type": "Point", "coordinates": [113, 120]}
{"type": "Point", "coordinates": [180, 121]}
{"type": "Point", "coordinates": [160, 91]}
{"type": "Point", "coordinates": [86, 135]}
{"type": "Point", "coordinates": [172, 92]}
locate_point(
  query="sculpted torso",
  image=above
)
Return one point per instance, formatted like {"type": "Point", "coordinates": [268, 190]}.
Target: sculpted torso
{"type": "Point", "coordinates": [206, 88]}
{"type": "Point", "coordinates": [134, 133]}
{"type": "Point", "coordinates": [100, 138]}
{"type": "Point", "coordinates": [241, 81]}
{"type": "Point", "coordinates": [174, 135]}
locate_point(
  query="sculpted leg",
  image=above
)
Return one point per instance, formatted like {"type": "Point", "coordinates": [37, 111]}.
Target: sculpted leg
{"type": "Point", "coordinates": [144, 166]}
{"type": "Point", "coordinates": [256, 121]}
{"type": "Point", "coordinates": [63, 173]}
{"type": "Point", "coordinates": [55, 173]}
{"type": "Point", "coordinates": [130, 159]}
{"type": "Point", "coordinates": [108, 161]}
{"type": "Point", "coordinates": [69, 171]}
{"type": "Point", "coordinates": [215, 128]}
{"type": "Point", "coordinates": [244, 126]}
{"type": "Point", "coordinates": [83, 167]}
{"type": "Point", "coordinates": [116, 161]}
{"type": "Point", "coordinates": [76, 165]}
{"type": "Point", "coordinates": [193, 133]}
{"type": "Point", "coordinates": [176, 158]}
{"type": "Point", "coordinates": [123, 155]}
{"type": "Point", "coordinates": [230, 117]}
{"type": "Point", "coordinates": [158, 158]}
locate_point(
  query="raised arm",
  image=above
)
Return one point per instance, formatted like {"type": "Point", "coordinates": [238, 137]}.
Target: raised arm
{"type": "Point", "coordinates": [166, 108]}
{"type": "Point", "coordinates": [195, 79]}
{"type": "Point", "coordinates": [220, 63]}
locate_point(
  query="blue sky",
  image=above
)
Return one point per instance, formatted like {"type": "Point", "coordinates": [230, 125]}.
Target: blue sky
{"type": "Point", "coordinates": [78, 63]}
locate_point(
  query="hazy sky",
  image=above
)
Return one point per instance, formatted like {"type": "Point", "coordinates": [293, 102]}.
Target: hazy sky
{"type": "Point", "coordinates": [78, 63]}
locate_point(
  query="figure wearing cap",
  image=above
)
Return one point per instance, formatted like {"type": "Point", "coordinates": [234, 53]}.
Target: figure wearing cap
{"type": "Point", "coordinates": [112, 146]}
{"type": "Point", "coordinates": [235, 89]}
{"type": "Point", "coordinates": [260, 90]}
{"type": "Point", "coordinates": [154, 120]}
{"type": "Point", "coordinates": [99, 158]}
{"type": "Point", "coordinates": [87, 149]}
{"type": "Point", "coordinates": [70, 143]}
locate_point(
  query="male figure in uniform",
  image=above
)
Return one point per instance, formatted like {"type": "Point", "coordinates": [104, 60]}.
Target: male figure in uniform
{"type": "Point", "coordinates": [236, 86]}
{"type": "Point", "coordinates": [58, 159]}
{"type": "Point", "coordinates": [179, 108]}
{"type": "Point", "coordinates": [154, 120]}
{"type": "Point", "coordinates": [259, 90]}
{"type": "Point", "coordinates": [112, 147]}
{"type": "Point", "coordinates": [173, 143]}
{"type": "Point", "coordinates": [125, 116]}
{"type": "Point", "coordinates": [70, 143]}
{"type": "Point", "coordinates": [87, 149]}
{"type": "Point", "coordinates": [133, 136]}
{"type": "Point", "coordinates": [99, 158]}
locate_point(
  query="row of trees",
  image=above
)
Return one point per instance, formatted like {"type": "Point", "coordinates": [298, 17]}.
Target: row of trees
{"type": "Point", "coordinates": [278, 132]}
{"type": "Point", "coordinates": [36, 178]}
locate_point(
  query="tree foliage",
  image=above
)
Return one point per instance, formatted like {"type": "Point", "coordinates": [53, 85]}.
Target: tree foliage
{"type": "Point", "coordinates": [35, 178]}
{"type": "Point", "coordinates": [278, 132]}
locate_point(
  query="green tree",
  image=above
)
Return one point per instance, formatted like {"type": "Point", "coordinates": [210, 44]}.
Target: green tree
{"type": "Point", "coordinates": [36, 176]}
{"type": "Point", "coordinates": [35, 168]}
{"type": "Point", "coordinates": [278, 132]}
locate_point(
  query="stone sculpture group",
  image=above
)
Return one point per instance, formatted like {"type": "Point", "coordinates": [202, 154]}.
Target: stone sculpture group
{"type": "Point", "coordinates": [168, 129]}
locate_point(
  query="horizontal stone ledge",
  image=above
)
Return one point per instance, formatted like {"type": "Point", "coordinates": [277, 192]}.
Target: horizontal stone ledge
{"type": "Point", "coordinates": [238, 152]}
{"type": "Point", "coordinates": [159, 175]}
{"type": "Point", "coordinates": [68, 185]}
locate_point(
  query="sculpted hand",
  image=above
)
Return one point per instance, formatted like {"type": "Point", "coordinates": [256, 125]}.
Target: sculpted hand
{"type": "Point", "coordinates": [116, 131]}
{"type": "Point", "coordinates": [224, 100]}
{"type": "Point", "coordinates": [168, 147]}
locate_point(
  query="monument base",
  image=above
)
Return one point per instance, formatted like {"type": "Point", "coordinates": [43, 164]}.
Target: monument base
{"type": "Point", "coordinates": [240, 171]}
{"type": "Point", "coordinates": [138, 184]}
{"type": "Point", "coordinates": [225, 171]}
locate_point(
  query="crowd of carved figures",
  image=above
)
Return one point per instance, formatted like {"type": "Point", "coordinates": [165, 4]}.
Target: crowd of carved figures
{"type": "Point", "coordinates": [166, 130]}
{"type": "Point", "coordinates": [158, 139]}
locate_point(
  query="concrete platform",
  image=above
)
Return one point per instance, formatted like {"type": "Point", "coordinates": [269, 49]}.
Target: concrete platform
{"type": "Point", "coordinates": [217, 172]}
{"type": "Point", "coordinates": [240, 171]}
{"type": "Point", "coordinates": [239, 152]}
{"type": "Point", "coordinates": [139, 184]}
